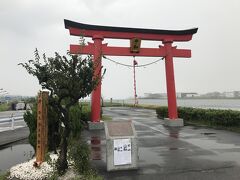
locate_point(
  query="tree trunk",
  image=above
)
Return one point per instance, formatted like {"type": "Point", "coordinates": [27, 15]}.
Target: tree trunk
{"type": "Point", "coordinates": [62, 163]}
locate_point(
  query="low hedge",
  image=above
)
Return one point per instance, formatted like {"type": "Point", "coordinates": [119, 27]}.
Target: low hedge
{"type": "Point", "coordinates": [212, 117]}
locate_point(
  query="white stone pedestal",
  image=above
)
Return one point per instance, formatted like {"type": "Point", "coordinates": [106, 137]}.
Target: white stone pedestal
{"type": "Point", "coordinates": [173, 122]}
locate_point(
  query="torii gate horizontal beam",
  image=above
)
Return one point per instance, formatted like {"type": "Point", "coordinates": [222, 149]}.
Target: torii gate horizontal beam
{"type": "Point", "coordinates": [125, 51]}
{"type": "Point", "coordinates": [86, 30]}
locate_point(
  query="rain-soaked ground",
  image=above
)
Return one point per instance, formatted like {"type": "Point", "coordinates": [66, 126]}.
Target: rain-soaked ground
{"type": "Point", "coordinates": [171, 153]}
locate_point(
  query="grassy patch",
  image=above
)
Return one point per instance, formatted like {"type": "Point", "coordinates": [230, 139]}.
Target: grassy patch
{"type": "Point", "coordinates": [143, 106]}
{"type": "Point", "coordinates": [4, 175]}
{"type": "Point", "coordinates": [93, 176]}
{"type": "Point", "coordinates": [106, 118]}
{"type": "Point", "coordinates": [4, 107]}
{"type": "Point", "coordinates": [115, 104]}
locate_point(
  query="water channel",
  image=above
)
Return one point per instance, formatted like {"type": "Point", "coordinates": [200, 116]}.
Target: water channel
{"type": "Point", "coordinates": [15, 153]}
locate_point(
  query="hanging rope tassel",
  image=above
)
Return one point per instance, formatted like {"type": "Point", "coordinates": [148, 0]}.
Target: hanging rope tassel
{"type": "Point", "coordinates": [134, 80]}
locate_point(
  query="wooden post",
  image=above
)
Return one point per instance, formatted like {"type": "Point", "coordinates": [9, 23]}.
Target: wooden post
{"type": "Point", "coordinates": [42, 127]}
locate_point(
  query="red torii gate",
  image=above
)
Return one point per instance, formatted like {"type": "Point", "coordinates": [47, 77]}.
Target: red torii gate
{"type": "Point", "coordinates": [97, 49]}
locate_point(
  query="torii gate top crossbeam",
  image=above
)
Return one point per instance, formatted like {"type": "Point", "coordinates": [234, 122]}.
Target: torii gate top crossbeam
{"type": "Point", "coordinates": [86, 30]}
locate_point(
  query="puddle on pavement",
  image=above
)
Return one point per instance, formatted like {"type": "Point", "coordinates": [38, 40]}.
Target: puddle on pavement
{"type": "Point", "coordinates": [13, 154]}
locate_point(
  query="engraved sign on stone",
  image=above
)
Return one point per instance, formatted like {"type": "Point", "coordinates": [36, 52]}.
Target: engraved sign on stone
{"type": "Point", "coordinates": [120, 128]}
{"type": "Point", "coordinates": [122, 151]}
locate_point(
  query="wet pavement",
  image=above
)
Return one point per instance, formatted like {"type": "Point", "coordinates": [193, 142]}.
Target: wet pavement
{"type": "Point", "coordinates": [171, 153]}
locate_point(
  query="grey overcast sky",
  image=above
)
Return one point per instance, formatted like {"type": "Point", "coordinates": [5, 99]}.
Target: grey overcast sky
{"type": "Point", "coordinates": [214, 66]}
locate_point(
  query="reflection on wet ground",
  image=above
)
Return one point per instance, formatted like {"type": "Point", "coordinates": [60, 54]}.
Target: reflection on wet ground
{"type": "Point", "coordinates": [95, 146]}
{"type": "Point", "coordinates": [15, 153]}
{"type": "Point", "coordinates": [173, 153]}
{"type": "Point", "coordinates": [208, 133]}
{"type": "Point", "coordinates": [173, 131]}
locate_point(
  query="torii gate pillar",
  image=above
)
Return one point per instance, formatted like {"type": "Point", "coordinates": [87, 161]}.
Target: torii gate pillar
{"type": "Point", "coordinates": [173, 119]}
{"type": "Point", "coordinates": [96, 94]}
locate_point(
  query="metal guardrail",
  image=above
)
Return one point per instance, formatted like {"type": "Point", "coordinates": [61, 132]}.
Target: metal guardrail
{"type": "Point", "coordinates": [11, 120]}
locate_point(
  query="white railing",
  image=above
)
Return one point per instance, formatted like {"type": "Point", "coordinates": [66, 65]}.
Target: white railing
{"type": "Point", "coordinates": [11, 120]}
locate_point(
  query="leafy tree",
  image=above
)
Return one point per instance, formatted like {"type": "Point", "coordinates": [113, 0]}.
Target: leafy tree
{"type": "Point", "coordinates": [68, 80]}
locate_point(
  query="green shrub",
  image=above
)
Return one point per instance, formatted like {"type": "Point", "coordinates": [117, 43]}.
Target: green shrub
{"type": "Point", "coordinates": [212, 117]}
{"type": "Point", "coordinates": [4, 175]}
{"type": "Point", "coordinates": [162, 112]}
{"type": "Point", "coordinates": [30, 118]}
{"type": "Point", "coordinates": [76, 118]}
{"type": "Point", "coordinates": [79, 154]}
{"type": "Point", "coordinates": [85, 112]}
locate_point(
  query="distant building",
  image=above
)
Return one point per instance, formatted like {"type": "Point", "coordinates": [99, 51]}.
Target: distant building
{"type": "Point", "coordinates": [210, 95]}
{"type": "Point", "coordinates": [155, 95]}
{"type": "Point", "coordinates": [213, 95]}
{"type": "Point", "coordinates": [164, 95]}
{"type": "Point", "coordinates": [187, 95]}
{"type": "Point", "coordinates": [228, 94]}
{"type": "Point", "coordinates": [232, 94]}
{"type": "Point", "coordinates": [236, 94]}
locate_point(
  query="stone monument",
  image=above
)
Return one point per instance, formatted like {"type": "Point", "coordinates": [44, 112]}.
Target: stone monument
{"type": "Point", "coordinates": [121, 145]}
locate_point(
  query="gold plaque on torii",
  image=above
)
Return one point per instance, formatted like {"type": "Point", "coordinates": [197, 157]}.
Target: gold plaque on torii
{"type": "Point", "coordinates": [135, 45]}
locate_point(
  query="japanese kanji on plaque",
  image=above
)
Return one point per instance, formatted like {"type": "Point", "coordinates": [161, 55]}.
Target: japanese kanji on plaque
{"type": "Point", "coordinates": [122, 151]}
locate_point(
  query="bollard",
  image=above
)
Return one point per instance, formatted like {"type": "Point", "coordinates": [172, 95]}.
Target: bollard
{"type": "Point", "coordinates": [12, 126]}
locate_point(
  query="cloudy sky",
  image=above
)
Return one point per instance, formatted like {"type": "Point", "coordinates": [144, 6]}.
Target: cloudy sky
{"type": "Point", "coordinates": [214, 66]}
